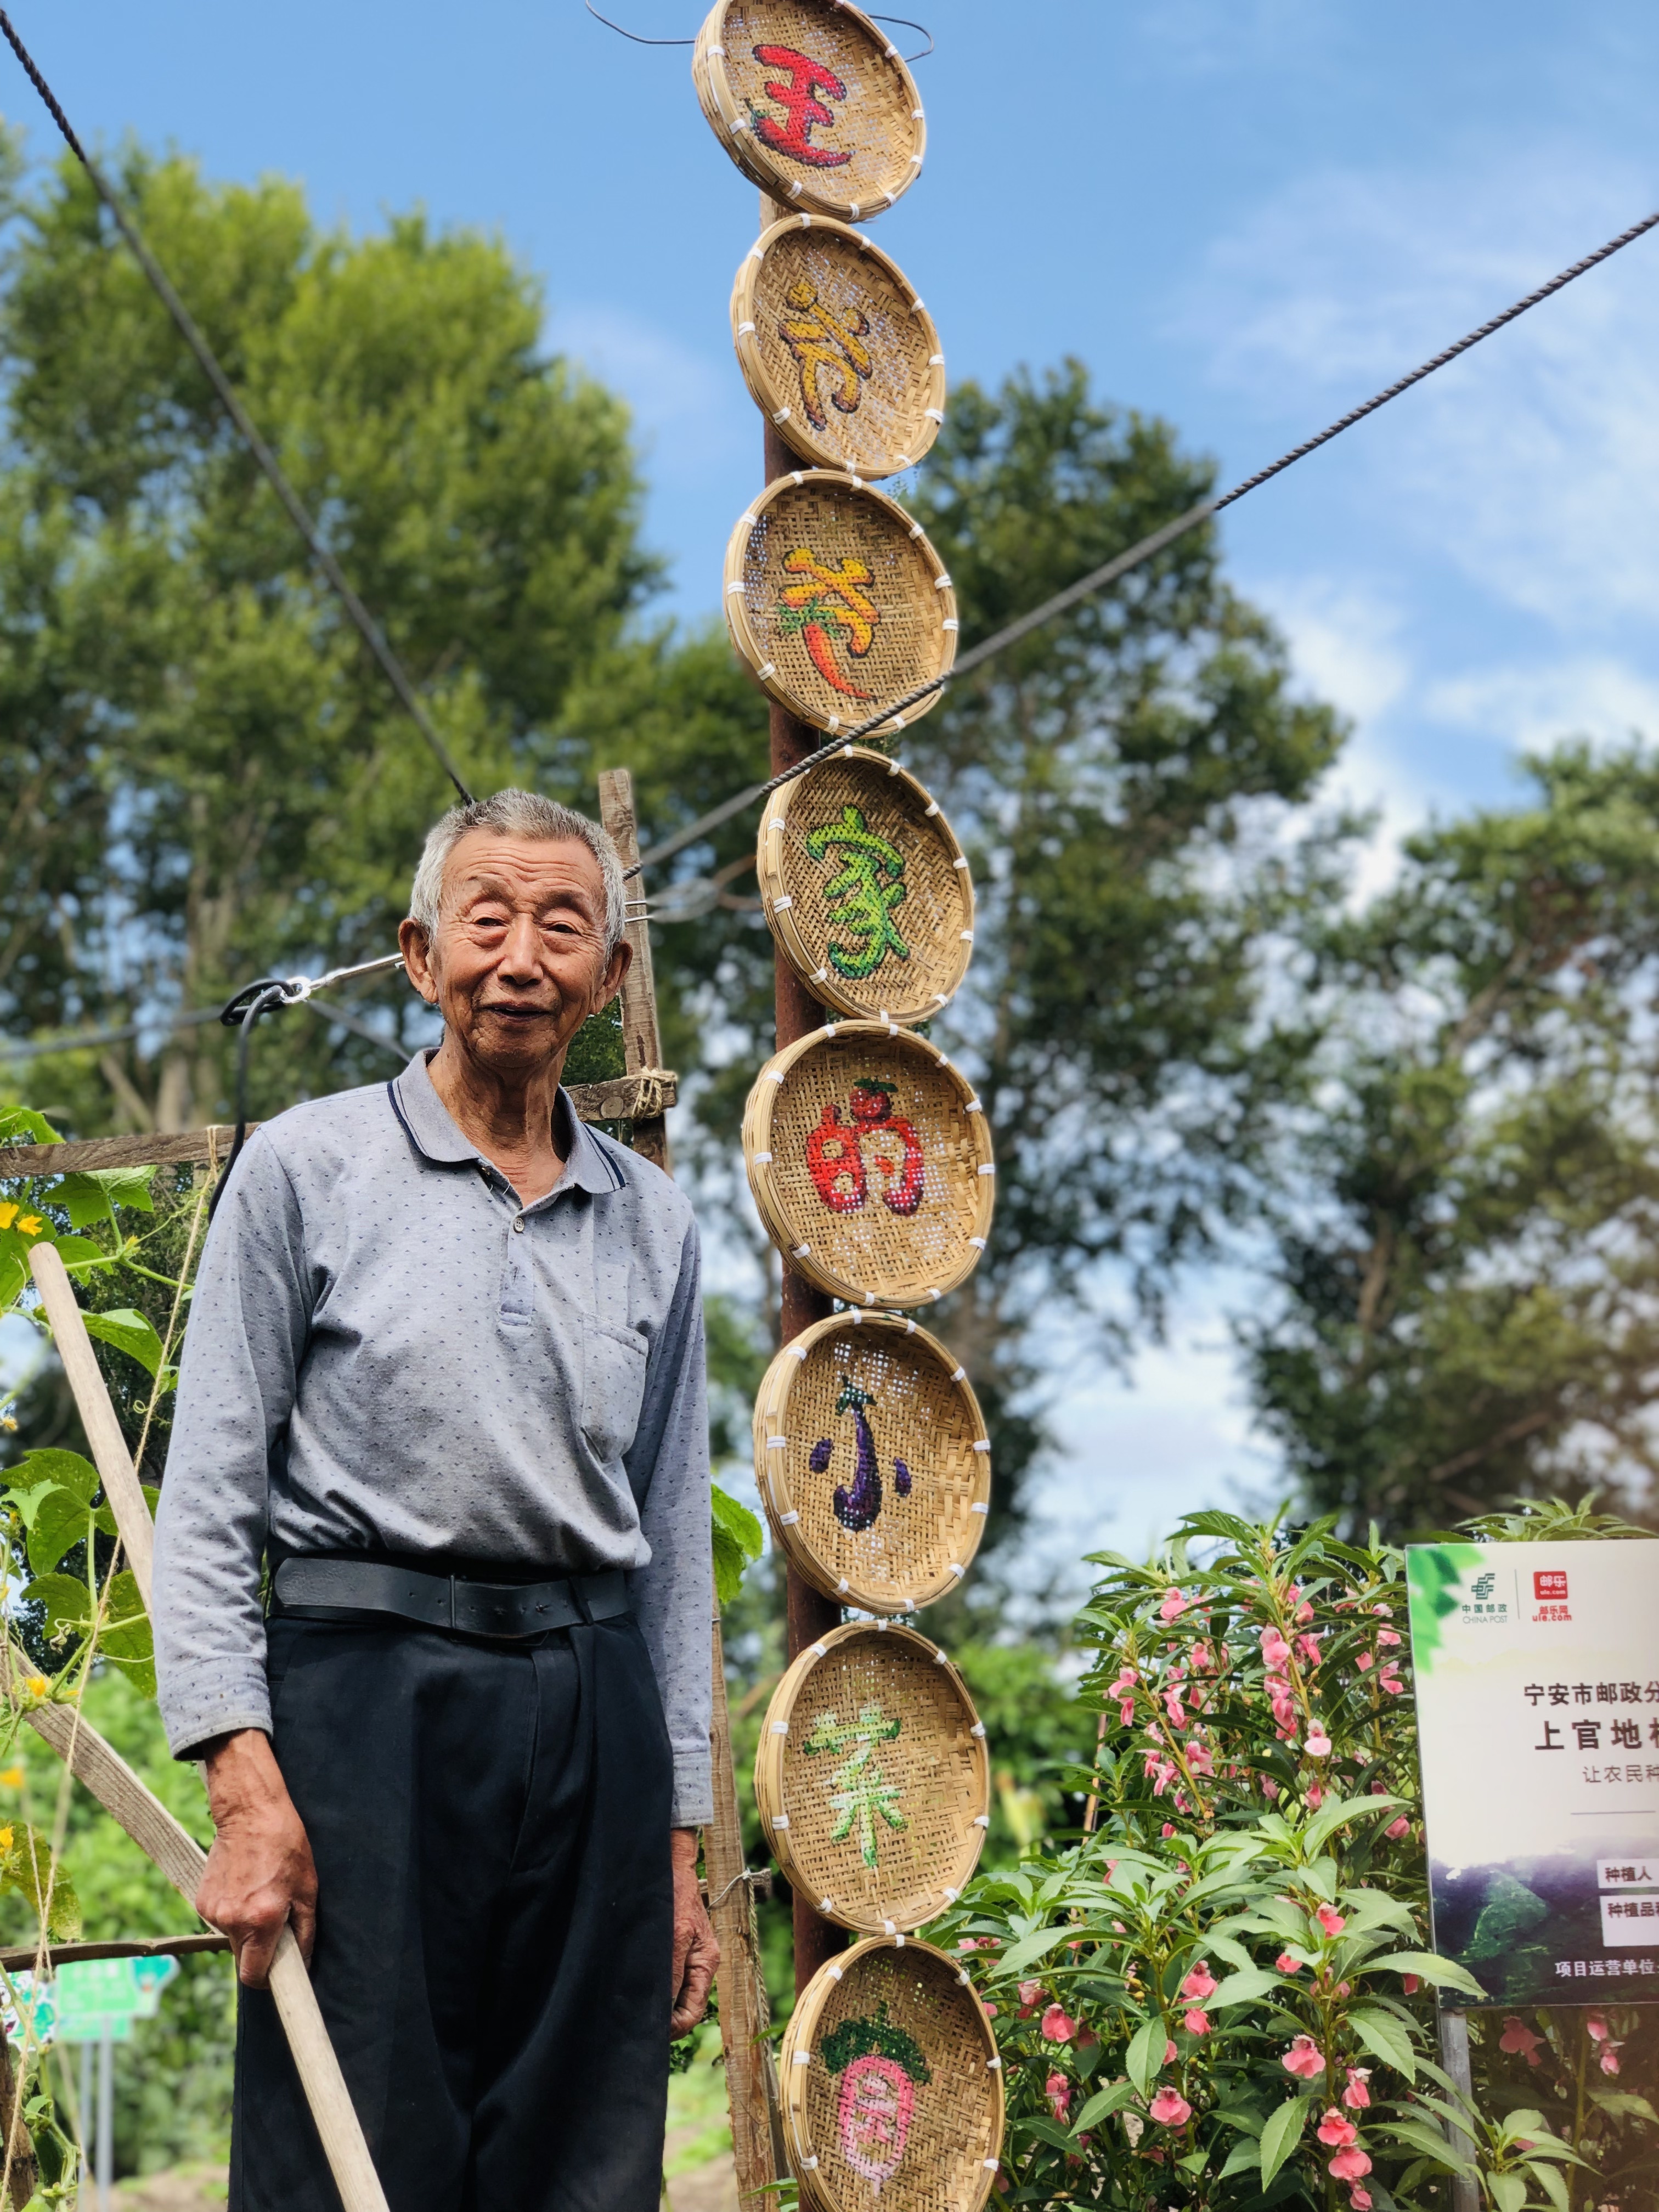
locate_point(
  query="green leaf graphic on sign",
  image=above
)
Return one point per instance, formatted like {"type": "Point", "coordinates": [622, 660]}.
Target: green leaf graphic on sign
{"type": "Point", "coordinates": [1434, 1575]}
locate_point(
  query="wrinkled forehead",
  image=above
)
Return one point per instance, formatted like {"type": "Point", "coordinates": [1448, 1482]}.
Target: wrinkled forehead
{"type": "Point", "coordinates": [532, 873]}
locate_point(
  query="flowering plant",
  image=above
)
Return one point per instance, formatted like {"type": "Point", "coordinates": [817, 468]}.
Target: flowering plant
{"type": "Point", "coordinates": [1217, 1998]}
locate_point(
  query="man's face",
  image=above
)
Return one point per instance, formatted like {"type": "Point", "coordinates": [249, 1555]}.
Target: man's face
{"type": "Point", "coordinates": [518, 962]}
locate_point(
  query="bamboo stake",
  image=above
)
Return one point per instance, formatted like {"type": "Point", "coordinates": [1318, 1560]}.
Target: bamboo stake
{"type": "Point", "coordinates": [751, 2075]}
{"type": "Point", "coordinates": [123, 1795]}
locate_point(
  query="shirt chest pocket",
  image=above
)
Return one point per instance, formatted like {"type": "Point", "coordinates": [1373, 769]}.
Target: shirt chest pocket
{"type": "Point", "coordinates": [613, 1387]}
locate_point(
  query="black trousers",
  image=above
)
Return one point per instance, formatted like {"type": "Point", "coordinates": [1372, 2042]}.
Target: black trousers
{"type": "Point", "coordinates": [493, 1920]}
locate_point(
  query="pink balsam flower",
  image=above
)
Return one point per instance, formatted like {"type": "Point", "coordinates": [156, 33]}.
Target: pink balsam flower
{"type": "Point", "coordinates": [1337, 2132]}
{"type": "Point", "coordinates": [1196, 2022]}
{"type": "Point", "coordinates": [1170, 2109]}
{"type": "Point", "coordinates": [1330, 1919]}
{"type": "Point", "coordinates": [1199, 1984]}
{"type": "Point", "coordinates": [1395, 1829]}
{"type": "Point", "coordinates": [1058, 2025]}
{"type": "Point", "coordinates": [1173, 1607]}
{"type": "Point", "coordinates": [1517, 2037]}
{"type": "Point", "coordinates": [1305, 2058]}
{"type": "Point", "coordinates": [1597, 2030]}
{"type": "Point", "coordinates": [1318, 1744]}
{"type": "Point", "coordinates": [1031, 1994]}
{"type": "Point", "coordinates": [1057, 2090]}
{"type": "Point", "coordinates": [1359, 2198]}
{"type": "Point", "coordinates": [1286, 1965]}
{"type": "Point", "coordinates": [1349, 2164]}
{"type": "Point", "coordinates": [1274, 1649]}
{"type": "Point", "coordinates": [1356, 2096]}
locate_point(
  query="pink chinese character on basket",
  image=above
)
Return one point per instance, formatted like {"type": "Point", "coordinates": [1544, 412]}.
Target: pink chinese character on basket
{"type": "Point", "coordinates": [798, 96]}
{"type": "Point", "coordinates": [881, 2068]}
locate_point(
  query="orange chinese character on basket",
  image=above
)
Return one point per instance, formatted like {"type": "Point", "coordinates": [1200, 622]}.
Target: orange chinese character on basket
{"type": "Point", "coordinates": [828, 597]}
{"type": "Point", "coordinates": [822, 340]}
{"type": "Point", "coordinates": [836, 1154]}
{"type": "Point", "coordinates": [805, 111]}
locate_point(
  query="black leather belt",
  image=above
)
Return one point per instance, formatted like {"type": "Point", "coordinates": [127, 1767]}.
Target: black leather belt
{"type": "Point", "coordinates": [321, 1590]}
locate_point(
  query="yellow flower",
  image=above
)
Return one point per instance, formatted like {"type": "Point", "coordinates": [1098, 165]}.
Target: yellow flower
{"type": "Point", "coordinates": [5, 1839]}
{"type": "Point", "coordinates": [13, 1217]}
{"type": "Point", "coordinates": [12, 1778]}
{"type": "Point", "coordinates": [35, 1685]}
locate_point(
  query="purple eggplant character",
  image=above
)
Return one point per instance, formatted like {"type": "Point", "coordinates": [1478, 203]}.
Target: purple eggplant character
{"type": "Point", "coordinates": [856, 1508]}
{"type": "Point", "coordinates": [901, 1478]}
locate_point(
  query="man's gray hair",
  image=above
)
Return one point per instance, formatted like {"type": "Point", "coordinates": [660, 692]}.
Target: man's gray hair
{"type": "Point", "coordinates": [517, 814]}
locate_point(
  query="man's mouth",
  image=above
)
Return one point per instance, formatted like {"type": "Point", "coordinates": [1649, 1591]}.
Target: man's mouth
{"type": "Point", "coordinates": [516, 1013]}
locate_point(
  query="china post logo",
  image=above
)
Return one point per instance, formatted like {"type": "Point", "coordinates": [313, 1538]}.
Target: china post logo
{"type": "Point", "coordinates": [1479, 1604]}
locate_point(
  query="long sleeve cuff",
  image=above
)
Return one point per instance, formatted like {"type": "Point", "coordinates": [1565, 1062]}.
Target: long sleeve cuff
{"type": "Point", "coordinates": [694, 1788]}
{"type": "Point", "coordinates": [202, 1709]}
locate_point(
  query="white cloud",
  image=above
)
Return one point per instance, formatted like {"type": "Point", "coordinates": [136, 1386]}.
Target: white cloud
{"type": "Point", "coordinates": [690, 410]}
{"type": "Point", "coordinates": [1521, 708]}
{"type": "Point", "coordinates": [1528, 464]}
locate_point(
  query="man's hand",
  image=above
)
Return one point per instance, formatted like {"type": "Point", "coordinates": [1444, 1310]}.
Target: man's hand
{"type": "Point", "coordinates": [696, 1954]}
{"type": "Point", "coordinates": [259, 1872]}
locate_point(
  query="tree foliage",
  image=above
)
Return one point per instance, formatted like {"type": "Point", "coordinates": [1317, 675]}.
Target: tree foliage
{"type": "Point", "coordinates": [1468, 1224]}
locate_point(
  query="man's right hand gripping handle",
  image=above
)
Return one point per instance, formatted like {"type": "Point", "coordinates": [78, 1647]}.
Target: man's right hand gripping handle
{"type": "Point", "coordinates": [259, 1872]}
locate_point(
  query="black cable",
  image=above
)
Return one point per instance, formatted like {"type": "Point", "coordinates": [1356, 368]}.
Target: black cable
{"type": "Point", "coordinates": [1142, 549]}
{"type": "Point", "coordinates": [367, 628]}
{"type": "Point", "coordinates": [243, 1010]}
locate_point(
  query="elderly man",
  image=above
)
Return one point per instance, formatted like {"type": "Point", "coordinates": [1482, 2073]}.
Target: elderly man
{"type": "Point", "coordinates": [432, 1582]}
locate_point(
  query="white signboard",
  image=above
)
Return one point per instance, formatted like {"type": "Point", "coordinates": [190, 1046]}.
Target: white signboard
{"type": "Point", "coordinates": [1537, 1669]}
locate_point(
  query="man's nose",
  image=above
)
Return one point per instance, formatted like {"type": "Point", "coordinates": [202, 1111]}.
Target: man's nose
{"type": "Point", "coordinates": [522, 950]}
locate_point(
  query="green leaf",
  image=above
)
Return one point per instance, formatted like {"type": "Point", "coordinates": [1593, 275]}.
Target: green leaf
{"type": "Point", "coordinates": [1330, 1818]}
{"type": "Point", "coordinates": [1245, 1988]}
{"type": "Point", "coordinates": [1428, 1966]}
{"type": "Point", "coordinates": [1509, 2192]}
{"type": "Point", "coordinates": [130, 1332]}
{"type": "Point", "coordinates": [1049, 2131]}
{"type": "Point", "coordinates": [1101, 2106]}
{"type": "Point", "coordinates": [738, 1543]}
{"type": "Point", "coordinates": [1281, 2135]}
{"type": "Point", "coordinates": [1386, 2038]}
{"type": "Point", "coordinates": [1421, 2136]}
{"type": "Point", "coordinates": [79, 1253]}
{"type": "Point", "coordinates": [58, 1524]}
{"type": "Point", "coordinates": [22, 1125]}
{"type": "Point", "coordinates": [1554, 2186]}
{"type": "Point", "coordinates": [65, 1470]}
{"type": "Point", "coordinates": [64, 1599]}
{"type": "Point", "coordinates": [1030, 1949]}
{"type": "Point", "coordinates": [1625, 2105]}
{"type": "Point", "coordinates": [95, 1195]}
{"type": "Point", "coordinates": [1145, 2057]}
{"type": "Point", "coordinates": [1244, 2157]}
{"type": "Point", "coordinates": [27, 1867]}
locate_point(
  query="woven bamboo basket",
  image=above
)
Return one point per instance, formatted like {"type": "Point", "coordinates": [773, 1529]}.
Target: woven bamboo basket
{"type": "Point", "coordinates": [872, 1462]}
{"type": "Point", "coordinates": [813, 103]}
{"type": "Point", "coordinates": [837, 602]}
{"type": "Point", "coordinates": [866, 888]}
{"type": "Point", "coordinates": [892, 2084]}
{"type": "Point", "coordinates": [871, 1778]}
{"type": "Point", "coordinates": [871, 1163]}
{"type": "Point", "coordinates": [837, 348]}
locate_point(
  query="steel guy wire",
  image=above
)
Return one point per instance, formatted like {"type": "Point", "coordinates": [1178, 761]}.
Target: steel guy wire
{"type": "Point", "coordinates": [298, 514]}
{"type": "Point", "coordinates": [890, 720]}
{"type": "Point", "coordinates": [639, 40]}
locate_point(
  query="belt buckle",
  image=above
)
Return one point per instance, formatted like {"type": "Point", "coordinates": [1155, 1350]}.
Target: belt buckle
{"type": "Point", "coordinates": [450, 1623]}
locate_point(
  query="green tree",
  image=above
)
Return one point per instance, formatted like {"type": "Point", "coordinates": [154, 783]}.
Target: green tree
{"type": "Point", "coordinates": [207, 777]}
{"type": "Point", "coordinates": [1467, 1240]}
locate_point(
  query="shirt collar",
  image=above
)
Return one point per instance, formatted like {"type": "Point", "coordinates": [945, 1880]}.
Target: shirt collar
{"type": "Point", "coordinates": [435, 1134]}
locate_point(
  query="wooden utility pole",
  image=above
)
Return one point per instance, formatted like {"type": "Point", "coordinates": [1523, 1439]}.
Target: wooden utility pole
{"type": "Point", "coordinates": [750, 2075]}
{"type": "Point", "coordinates": [810, 1614]}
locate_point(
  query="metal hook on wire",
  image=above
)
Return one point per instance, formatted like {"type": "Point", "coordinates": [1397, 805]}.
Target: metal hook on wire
{"type": "Point", "coordinates": [640, 41]}
{"type": "Point", "coordinates": [245, 1007]}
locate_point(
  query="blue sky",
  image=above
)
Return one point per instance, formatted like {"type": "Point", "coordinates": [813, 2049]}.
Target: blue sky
{"type": "Point", "coordinates": [1242, 214]}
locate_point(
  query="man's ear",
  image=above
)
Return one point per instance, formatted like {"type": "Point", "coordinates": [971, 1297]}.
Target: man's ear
{"type": "Point", "coordinates": [413, 944]}
{"type": "Point", "coordinates": [621, 960]}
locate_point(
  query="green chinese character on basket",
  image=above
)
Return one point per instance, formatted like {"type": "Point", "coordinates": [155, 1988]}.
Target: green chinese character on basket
{"type": "Point", "coordinates": [858, 1791]}
{"type": "Point", "coordinates": [869, 887]}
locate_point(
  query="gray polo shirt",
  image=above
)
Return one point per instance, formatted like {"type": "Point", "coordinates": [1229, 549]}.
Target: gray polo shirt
{"type": "Point", "coordinates": [387, 1353]}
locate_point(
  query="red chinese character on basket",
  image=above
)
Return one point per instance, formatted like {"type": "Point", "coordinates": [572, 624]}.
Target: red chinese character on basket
{"type": "Point", "coordinates": [829, 604]}
{"type": "Point", "coordinates": [799, 98]}
{"type": "Point", "coordinates": [839, 1159]}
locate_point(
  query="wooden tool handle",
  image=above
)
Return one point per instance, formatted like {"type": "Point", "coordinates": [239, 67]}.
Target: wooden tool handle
{"type": "Point", "coordinates": [109, 1446]}
{"type": "Point", "coordinates": [182, 1860]}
